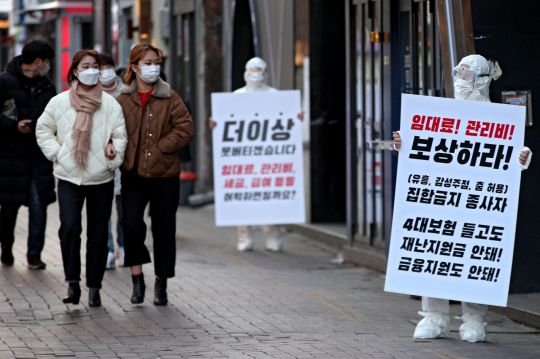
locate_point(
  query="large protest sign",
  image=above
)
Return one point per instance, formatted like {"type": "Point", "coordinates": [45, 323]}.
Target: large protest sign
{"type": "Point", "coordinates": [258, 158]}
{"type": "Point", "coordinates": [456, 199]}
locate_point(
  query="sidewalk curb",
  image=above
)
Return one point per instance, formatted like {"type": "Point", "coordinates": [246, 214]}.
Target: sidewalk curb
{"type": "Point", "coordinates": [332, 239]}
{"type": "Point", "coordinates": [360, 255]}
{"type": "Point", "coordinates": [366, 256]}
{"type": "Point", "coordinates": [374, 258]}
{"type": "Point", "coordinates": [518, 315]}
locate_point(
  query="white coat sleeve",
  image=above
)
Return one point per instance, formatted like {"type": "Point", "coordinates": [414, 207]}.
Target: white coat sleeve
{"type": "Point", "coordinates": [528, 162]}
{"type": "Point", "coordinates": [46, 132]}
{"type": "Point", "coordinates": [118, 136]}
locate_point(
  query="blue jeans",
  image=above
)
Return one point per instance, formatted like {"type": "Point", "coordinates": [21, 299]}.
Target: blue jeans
{"type": "Point", "coordinates": [119, 232]}
{"type": "Point", "coordinates": [37, 222]}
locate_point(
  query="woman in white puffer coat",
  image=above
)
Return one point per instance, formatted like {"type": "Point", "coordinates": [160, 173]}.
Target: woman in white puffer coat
{"type": "Point", "coordinates": [74, 132]}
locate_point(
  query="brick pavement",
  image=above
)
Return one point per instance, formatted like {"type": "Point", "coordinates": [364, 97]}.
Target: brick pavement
{"type": "Point", "coordinates": [226, 304]}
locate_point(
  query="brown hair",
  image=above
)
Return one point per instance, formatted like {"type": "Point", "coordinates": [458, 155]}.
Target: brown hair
{"type": "Point", "coordinates": [137, 53]}
{"type": "Point", "coordinates": [77, 59]}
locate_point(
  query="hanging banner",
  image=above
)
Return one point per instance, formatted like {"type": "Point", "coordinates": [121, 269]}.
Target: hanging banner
{"type": "Point", "coordinates": [456, 199]}
{"type": "Point", "coordinates": [258, 158]}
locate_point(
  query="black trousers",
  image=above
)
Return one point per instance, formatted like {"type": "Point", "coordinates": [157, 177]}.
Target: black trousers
{"type": "Point", "coordinates": [37, 221]}
{"type": "Point", "coordinates": [163, 194]}
{"type": "Point", "coordinates": [71, 199]}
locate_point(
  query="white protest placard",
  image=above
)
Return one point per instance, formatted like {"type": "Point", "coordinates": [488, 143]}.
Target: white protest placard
{"type": "Point", "coordinates": [456, 199]}
{"type": "Point", "coordinates": [258, 158]}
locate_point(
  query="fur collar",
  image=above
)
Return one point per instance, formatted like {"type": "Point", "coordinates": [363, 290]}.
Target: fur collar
{"type": "Point", "coordinates": [161, 89]}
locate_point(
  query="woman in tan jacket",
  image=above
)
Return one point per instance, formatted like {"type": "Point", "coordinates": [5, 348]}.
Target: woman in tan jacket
{"type": "Point", "coordinates": [158, 126]}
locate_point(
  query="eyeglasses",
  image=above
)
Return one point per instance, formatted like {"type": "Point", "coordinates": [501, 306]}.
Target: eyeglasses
{"type": "Point", "coordinates": [256, 69]}
{"type": "Point", "coordinates": [466, 74]}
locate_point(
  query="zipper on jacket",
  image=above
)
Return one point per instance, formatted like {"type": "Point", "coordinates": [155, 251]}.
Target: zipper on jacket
{"type": "Point", "coordinates": [147, 139]}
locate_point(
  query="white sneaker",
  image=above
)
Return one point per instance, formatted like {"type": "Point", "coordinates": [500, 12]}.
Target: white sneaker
{"type": "Point", "coordinates": [245, 244]}
{"type": "Point", "coordinates": [274, 244]}
{"type": "Point", "coordinates": [110, 261]}
{"type": "Point", "coordinates": [120, 254]}
{"type": "Point", "coordinates": [434, 325]}
{"type": "Point", "coordinates": [472, 330]}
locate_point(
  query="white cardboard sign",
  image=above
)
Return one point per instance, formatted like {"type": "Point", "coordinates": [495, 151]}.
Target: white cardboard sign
{"type": "Point", "coordinates": [456, 199]}
{"type": "Point", "coordinates": [258, 158]}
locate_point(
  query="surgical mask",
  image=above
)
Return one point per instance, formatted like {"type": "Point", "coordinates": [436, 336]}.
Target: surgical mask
{"type": "Point", "coordinates": [108, 76]}
{"type": "Point", "coordinates": [149, 74]}
{"type": "Point", "coordinates": [256, 76]}
{"type": "Point", "coordinates": [465, 90]}
{"type": "Point", "coordinates": [46, 71]}
{"type": "Point", "coordinates": [89, 77]}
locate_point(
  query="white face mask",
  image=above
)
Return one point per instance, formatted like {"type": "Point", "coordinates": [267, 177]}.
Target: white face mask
{"type": "Point", "coordinates": [107, 77]}
{"type": "Point", "coordinates": [149, 74]}
{"type": "Point", "coordinates": [256, 77]}
{"type": "Point", "coordinates": [46, 71]}
{"type": "Point", "coordinates": [465, 90]}
{"type": "Point", "coordinates": [255, 80]}
{"type": "Point", "coordinates": [89, 77]}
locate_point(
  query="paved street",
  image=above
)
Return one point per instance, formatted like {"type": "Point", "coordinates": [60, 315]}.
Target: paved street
{"type": "Point", "coordinates": [226, 304]}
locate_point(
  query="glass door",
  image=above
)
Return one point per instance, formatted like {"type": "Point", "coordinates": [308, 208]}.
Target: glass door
{"type": "Point", "coordinates": [369, 104]}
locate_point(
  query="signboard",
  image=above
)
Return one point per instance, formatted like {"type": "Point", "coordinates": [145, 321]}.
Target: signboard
{"type": "Point", "coordinates": [456, 199]}
{"type": "Point", "coordinates": [258, 158]}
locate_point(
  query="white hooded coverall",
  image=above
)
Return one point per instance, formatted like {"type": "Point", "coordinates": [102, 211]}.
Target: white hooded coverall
{"type": "Point", "coordinates": [256, 82]}
{"type": "Point", "coordinates": [436, 311]}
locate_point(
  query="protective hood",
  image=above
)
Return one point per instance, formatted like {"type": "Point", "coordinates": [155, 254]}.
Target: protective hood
{"type": "Point", "coordinates": [479, 89]}
{"type": "Point", "coordinates": [256, 81]}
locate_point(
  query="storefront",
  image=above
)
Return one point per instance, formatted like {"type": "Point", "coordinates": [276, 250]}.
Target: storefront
{"type": "Point", "coordinates": [66, 25]}
{"type": "Point", "coordinates": [393, 48]}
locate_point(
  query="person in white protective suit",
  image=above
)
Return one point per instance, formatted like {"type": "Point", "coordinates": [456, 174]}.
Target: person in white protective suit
{"type": "Point", "coordinates": [472, 77]}
{"type": "Point", "coordinates": [256, 76]}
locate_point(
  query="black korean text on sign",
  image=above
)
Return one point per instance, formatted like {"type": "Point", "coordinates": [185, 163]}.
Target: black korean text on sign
{"type": "Point", "coordinates": [423, 180]}
{"type": "Point", "coordinates": [425, 196]}
{"type": "Point", "coordinates": [440, 268]}
{"type": "Point", "coordinates": [420, 224]}
{"type": "Point", "coordinates": [491, 254]}
{"type": "Point", "coordinates": [484, 273]}
{"type": "Point", "coordinates": [257, 130]}
{"type": "Point", "coordinates": [444, 248]}
{"type": "Point", "coordinates": [244, 151]}
{"type": "Point", "coordinates": [464, 152]}
{"type": "Point", "coordinates": [482, 231]}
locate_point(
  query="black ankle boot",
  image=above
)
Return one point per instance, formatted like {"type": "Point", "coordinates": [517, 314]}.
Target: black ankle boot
{"type": "Point", "coordinates": [94, 299]}
{"type": "Point", "coordinates": [160, 292]}
{"type": "Point", "coordinates": [138, 289]}
{"type": "Point", "coordinates": [74, 294]}
{"type": "Point", "coordinates": [7, 255]}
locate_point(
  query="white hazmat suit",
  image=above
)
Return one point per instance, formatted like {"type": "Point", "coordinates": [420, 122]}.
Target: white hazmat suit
{"type": "Point", "coordinates": [436, 312]}
{"type": "Point", "coordinates": [255, 77]}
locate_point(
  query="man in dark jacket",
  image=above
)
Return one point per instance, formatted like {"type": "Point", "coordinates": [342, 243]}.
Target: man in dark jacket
{"type": "Point", "coordinates": [25, 174]}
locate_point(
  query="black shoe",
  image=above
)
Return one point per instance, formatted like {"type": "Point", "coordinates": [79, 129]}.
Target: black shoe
{"type": "Point", "coordinates": [74, 294]}
{"type": "Point", "coordinates": [34, 262]}
{"type": "Point", "coordinates": [94, 299]}
{"type": "Point", "coordinates": [138, 289]}
{"type": "Point", "coordinates": [7, 256]}
{"type": "Point", "coordinates": [160, 292]}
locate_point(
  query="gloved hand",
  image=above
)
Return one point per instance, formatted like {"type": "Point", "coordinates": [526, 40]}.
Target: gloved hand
{"type": "Point", "coordinates": [397, 139]}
